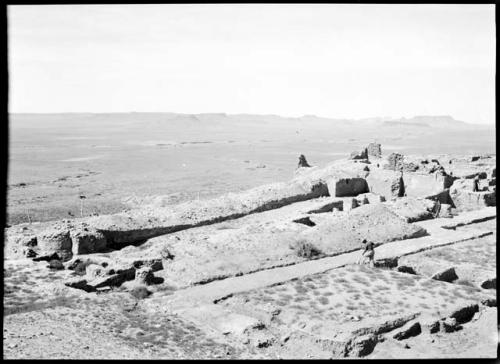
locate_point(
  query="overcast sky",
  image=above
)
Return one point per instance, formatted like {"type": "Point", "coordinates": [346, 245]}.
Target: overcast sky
{"type": "Point", "coordinates": [349, 61]}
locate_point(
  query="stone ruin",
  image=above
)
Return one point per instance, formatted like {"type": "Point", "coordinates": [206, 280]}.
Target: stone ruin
{"type": "Point", "coordinates": [346, 201]}
{"type": "Point", "coordinates": [363, 154]}
{"type": "Point", "coordinates": [422, 178]}
{"type": "Point", "coordinates": [374, 150]}
{"type": "Point", "coordinates": [303, 162]}
{"type": "Point", "coordinates": [346, 187]}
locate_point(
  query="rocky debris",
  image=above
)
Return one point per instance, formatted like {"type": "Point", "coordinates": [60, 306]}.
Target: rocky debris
{"type": "Point", "coordinates": [465, 314]}
{"type": "Point", "coordinates": [98, 277]}
{"type": "Point", "coordinates": [411, 167]}
{"type": "Point", "coordinates": [79, 283]}
{"type": "Point", "coordinates": [489, 284]}
{"type": "Point", "coordinates": [138, 225]}
{"type": "Point", "coordinates": [262, 339]}
{"type": "Point", "coordinates": [305, 220]}
{"type": "Point", "coordinates": [375, 150]}
{"type": "Point", "coordinates": [387, 263]}
{"type": "Point", "coordinates": [443, 197]}
{"type": "Point", "coordinates": [410, 330]}
{"type": "Point", "coordinates": [135, 226]}
{"type": "Point", "coordinates": [101, 272]}
{"type": "Point", "coordinates": [329, 207]}
{"type": "Point", "coordinates": [465, 199]}
{"type": "Point", "coordinates": [430, 324]}
{"type": "Point", "coordinates": [489, 302]}
{"type": "Point", "coordinates": [447, 275]}
{"type": "Point", "coordinates": [398, 187]}
{"type": "Point", "coordinates": [30, 253]}
{"type": "Point", "coordinates": [112, 280]}
{"type": "Point", "coordinates": [406, 269]}
{"type": "Point", "coordinates": [303, 162]}
{"type": "Point", "coordinates": [47, 258]}
{"type": "Point", "coordinates": [56, 264]}
{"type": "Point", "coordinates": [412, 209]}
{"type": "Point", "coordinates": [140, 292]}
{"type": "Point", "coordinates": [467, 170]}
{"type": "Point", "coordinates": [166, 254]}
{"type": "Point", "coordinates": [79, 265]}
{"type": "Point", "coordinates": [28, 241]}
{"type": "Point", "coordinates": [55, 241]}
{"type": "Point", "coordinates": [395, 162]}
{"type": "Point", "coordinates": [361, 345]}
{"type": "Point", "coordinates": [372, 221]}
{"type": "Point", "coordinates": [94, 271]}
{"type": "Point", "coordinates": [364, 199]}
{"type": "Point", "coordinates": [144, 276]}
{"type": "Point", "coordinates": [87, 242]}
{"type": "Point", "coordinates": [104, 289]}
{"type": "Point", "coordinates": [445, 211]}
{"type": "Point", "coordinates": [137, 262]}
{"type": "Point", "coordinates": [450, 325]}
{"type": "Point", "coordinates": [363, 154]}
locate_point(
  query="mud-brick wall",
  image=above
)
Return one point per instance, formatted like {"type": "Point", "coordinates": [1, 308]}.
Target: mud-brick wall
{"type": "Point", "coordinates": [416, 185]}
{"type": "Point", "coordinates": [346, 187]}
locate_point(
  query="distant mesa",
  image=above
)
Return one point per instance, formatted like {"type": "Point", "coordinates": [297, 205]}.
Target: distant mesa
{"type": "Point", "coordinates": [426, 121]}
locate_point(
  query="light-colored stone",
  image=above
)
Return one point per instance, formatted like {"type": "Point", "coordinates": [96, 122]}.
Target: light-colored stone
{"type": "Point", "coordinates": [55, 241]}
{"type": "Point", "coordinates": [87, 241]}
{"type": "Point", "coordinates": [144, 275]}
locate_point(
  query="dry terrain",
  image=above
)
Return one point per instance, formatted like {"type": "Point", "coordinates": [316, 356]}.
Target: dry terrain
{"type": "Point", "coordinates": [252, 268]}
{"type": "Point", "coordinates": [123, 160]}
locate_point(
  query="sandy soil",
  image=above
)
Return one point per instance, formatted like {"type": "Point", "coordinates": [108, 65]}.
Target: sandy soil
{"type": "Point", "coordinates": [335, 305]}
{"type": "Point", "coordinates": [266, 240]}
{"type": "Point", "coordinates": [318, 316]}
{"type": "Point", "coordinates": [306, 297]}
{"type": "Point", "coordinates": [43, 319]}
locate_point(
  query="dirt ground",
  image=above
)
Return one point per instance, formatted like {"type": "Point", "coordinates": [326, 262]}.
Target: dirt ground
{"type": "Point", "coordinates": [268, 273]}
{"type": "Point", "coordinates": [348, 311]}
{"type": "Point", "coordinates": [46, 320]}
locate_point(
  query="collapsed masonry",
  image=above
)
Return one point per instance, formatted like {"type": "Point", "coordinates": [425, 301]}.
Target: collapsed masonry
{"type": "Point", "coordinates": [421, 178]}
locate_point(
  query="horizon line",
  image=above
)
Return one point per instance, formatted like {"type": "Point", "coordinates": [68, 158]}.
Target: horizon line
{"type": "Point", "coordinates": [244, 113]}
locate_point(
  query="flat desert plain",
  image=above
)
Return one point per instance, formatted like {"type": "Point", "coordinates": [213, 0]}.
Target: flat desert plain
{"type": "Point", "coordinates": [120, 161]}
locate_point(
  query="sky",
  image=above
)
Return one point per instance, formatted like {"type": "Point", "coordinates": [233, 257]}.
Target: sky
{"type": "Point", "coordinates": [330, 60]}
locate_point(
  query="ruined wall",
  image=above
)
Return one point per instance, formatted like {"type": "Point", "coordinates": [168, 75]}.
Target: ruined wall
{"type": "Point", "coordinates": [423, 185]}
{"type": "Point", "coordinates": [395, 162]}
{"type": "Point", "coordinates": [464, 199]}
{"type": "Point", "coordinates": [374, 150]}
{"type": "Point", "coordinates": [345, 187]}
{"type": "Point", "coordinates": [363, 154]}
{"type": "Point", "coordinates": [383, 181]}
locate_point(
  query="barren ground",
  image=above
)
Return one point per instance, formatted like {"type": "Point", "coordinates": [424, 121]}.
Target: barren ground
{"type": "Point", "coordinates": [123, 160]}
{"type": "Point", "coordinates": [268, 273]}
